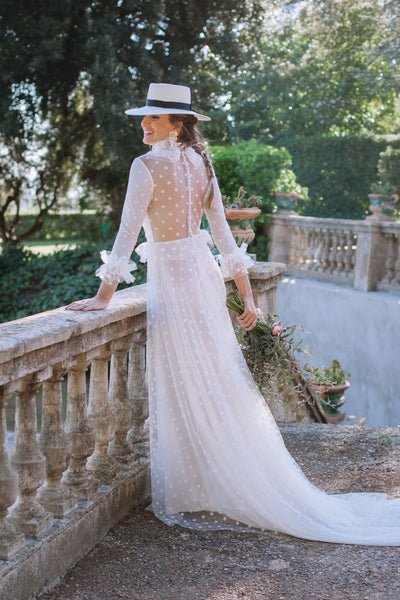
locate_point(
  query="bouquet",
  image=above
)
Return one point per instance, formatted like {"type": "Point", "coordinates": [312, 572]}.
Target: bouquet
{"type": "Point", "coordinates": [269, 350]}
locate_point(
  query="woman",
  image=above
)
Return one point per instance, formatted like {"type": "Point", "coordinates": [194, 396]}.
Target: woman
{"type": "Point", "coordinates": [217, 457]}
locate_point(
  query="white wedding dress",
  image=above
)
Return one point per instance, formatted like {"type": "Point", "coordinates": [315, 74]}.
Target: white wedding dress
{"type": "Point", "coordinates": [217, 457]}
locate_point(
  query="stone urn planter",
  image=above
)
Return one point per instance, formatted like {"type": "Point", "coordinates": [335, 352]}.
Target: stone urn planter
{"type": "Point", "coordinates": [382, 207]}
{"type": "Point", "coordinates": [241, 221]}
{"type": "Point", "coordinates": [286, 202]}
{"type": "Point", "coordinates": [331, 398]}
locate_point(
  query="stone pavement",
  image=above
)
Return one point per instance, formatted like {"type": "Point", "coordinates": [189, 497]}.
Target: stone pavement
{"type": "Point", "coordinates": [143, 559]}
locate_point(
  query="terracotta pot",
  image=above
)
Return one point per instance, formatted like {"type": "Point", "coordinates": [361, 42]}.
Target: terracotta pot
{"type": "Point", "coordinates": [382, 207]}
{"type": "Point", "coordinates": [241, 223]}
{"type": "Point", "coordinates": [330, 398]}
{"type": "Point", "coordinates": [286, 202]}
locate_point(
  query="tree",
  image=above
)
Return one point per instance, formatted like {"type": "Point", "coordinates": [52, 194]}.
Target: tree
{"type": "Point", "coordinates": [69, 69]}
{"type": "Point", "coordinates": [318, 71]}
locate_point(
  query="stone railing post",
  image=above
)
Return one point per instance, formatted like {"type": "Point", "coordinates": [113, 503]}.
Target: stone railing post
{"type": "Point", "coordinates": [54, 444]}
{"type": "Point", "coordinates": [27, 515]}
{"type": "Point", "coordinates": [281, 239]}
{"type": "Point", "coordinates": [121, 407]}
{"type": "Point", "coordinates": [10, 540]}
{"type": "Point", "coordinates": [80, 434]}
{"type": "Point", "coordinates": [104, 467]}
{"type": "Point", "coordinates": [138, 434]}
{"type": "Point", "coordinates": [370, 256]}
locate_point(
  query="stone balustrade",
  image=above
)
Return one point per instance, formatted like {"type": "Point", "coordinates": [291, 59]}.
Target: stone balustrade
{"type": "Point", "coordinates": [61, 491]}
{"type": "Point", "coordinates": [362, 254]}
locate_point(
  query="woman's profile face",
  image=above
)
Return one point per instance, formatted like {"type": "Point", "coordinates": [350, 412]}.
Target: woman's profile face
{"type": "Point", "coordinates": [156, 128]}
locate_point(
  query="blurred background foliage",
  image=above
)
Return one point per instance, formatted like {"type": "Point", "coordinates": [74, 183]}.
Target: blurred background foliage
{"type": "Point", "coordinates": [313, 84]}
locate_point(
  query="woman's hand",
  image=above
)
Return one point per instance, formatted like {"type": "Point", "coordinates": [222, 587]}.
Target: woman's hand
{"type": "Point", "coordinates": [99, 301]}
{"type": "Point", "coordinates": [88, 304]}
{"type": "Point", "coordinates": [248, 319]}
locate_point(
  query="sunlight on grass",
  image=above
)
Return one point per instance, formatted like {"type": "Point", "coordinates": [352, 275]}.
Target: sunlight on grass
{"type": "Point", "coordinates": [45, 247]}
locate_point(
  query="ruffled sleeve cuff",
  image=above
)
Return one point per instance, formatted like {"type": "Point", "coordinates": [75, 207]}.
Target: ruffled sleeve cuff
{"type": "Point", "coordinates": [235, 263]}
{"type": "Point", "coordinates": [115, 269]}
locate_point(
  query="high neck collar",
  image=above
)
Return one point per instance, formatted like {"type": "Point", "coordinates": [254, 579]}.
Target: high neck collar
{"type": "Point", "coordinates": [172, 149]}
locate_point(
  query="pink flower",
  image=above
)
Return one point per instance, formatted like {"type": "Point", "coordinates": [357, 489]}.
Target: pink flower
{"type": "Point", "coordinates": [276, 330]}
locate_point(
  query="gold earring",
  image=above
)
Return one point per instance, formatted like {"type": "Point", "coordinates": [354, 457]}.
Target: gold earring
{"type": "Point", "coordinates": [173, 135]}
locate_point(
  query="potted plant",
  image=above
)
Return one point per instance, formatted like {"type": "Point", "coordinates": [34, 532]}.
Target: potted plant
{"type": "Point", "coordinates": [384, 192]}
{"type": "Point", "coordinates": [240, 214]}
{"type": "Point", "coordinates": [288, 191]}
{"type": "Point", "coordinates": [329, 384]}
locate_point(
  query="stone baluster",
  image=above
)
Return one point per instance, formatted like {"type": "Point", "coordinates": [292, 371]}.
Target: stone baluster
{"type": "Point", "coordinates": [27, 515]}
{"type": "Point", "coordinates": [121, 407]}
{"type": "Point", "coordinates": [348, 257]}
{"type": "Point", "coordinates": [326, 251]}
{"type": "Point", "coordinates": [319, 250]}
{"type": "Point", "coordinates": [138, 435]}
{"type": "Point", "coordinates": [390, 262]}
{"type": "Point", "coordinates": [333, 252]}
{"type": "Point", "coordinates": [310, 250]}
{"type": "Point", "coordinates": [53, 442]}
{"type": "Point", "coordinates": [80, 433]}
{"type": "Point", "coordinates": [10, 540]}
{"type": "Point", "coordinates": [340, 253]}
{"type": "Point", "coordinates": [103, 466]}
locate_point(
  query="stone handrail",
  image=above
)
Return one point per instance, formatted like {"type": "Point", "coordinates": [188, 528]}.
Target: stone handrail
{"type": "Point", "coordinates": [61, 491]}
{"type": "Point", "coordinates": [362, 254]}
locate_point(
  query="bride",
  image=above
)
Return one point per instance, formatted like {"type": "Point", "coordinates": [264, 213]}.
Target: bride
{"type": "Point", "coordinates": [218, 460]}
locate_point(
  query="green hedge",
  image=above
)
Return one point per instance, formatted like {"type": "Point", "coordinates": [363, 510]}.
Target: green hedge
{"type": "Point", "coordinates": [338, 172]}
{"type": "Point", "coordinates": [85, 227]}
{"type": "Point", "coordinates": [38, 283]}
{"type": "Point", "coordinates": [254, 166]}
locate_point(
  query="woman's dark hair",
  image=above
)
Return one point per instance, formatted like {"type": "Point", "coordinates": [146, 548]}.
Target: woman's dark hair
{"type": "Point", "coordinates": [189, 135]}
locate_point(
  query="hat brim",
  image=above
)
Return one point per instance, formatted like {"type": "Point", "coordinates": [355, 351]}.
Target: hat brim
{"type": "Point", "coordinates": [155, 110]}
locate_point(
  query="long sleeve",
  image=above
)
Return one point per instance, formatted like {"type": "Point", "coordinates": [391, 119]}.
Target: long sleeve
{"type": "Point", "coordinates": [139, 194]}
{"type": "Point", "coordinates": [233, 260]}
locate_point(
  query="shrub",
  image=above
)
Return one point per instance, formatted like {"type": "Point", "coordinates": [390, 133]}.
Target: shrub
{"type": "Point", "coordinates": [38, 283]}
{"type": "Point", "coordinates": [338, 172]}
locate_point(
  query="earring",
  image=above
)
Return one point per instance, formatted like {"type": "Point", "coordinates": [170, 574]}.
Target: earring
{"type": "Point", "coordinates": [173, 135]}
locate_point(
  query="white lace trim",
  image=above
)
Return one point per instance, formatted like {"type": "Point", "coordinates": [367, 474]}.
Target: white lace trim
{"type": "Point", "coordinates": [170, 148]}
{"type": "Point", "coordinates": [115, 269]}
{"type": "Point", "coordinates": [143, 249]}
{"type": "Point", "coordinates": [235, 263]}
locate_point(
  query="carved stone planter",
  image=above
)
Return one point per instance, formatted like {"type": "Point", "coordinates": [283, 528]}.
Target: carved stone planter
{"type": "Point", "coordinates": [241, 223]}
{"type": "Point", "coordinates": [286, 202]}
{"type": "Point", "coordinates": [382, 207]}
{"type": "Point", "coordinates": [330, 398]}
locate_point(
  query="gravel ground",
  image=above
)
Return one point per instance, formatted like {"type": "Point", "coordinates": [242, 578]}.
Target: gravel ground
{"type": "Point", "coordinates": [143, 559]}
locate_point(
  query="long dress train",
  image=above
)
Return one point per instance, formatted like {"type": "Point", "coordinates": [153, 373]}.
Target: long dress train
{"type": "Point", "coordinates": [217, 457]}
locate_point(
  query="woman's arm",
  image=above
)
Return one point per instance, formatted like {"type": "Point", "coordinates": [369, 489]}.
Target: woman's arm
{"type": "Point", "coordinates": [117, 267]}
{"type": "Point", "coordinates": [248, 319]}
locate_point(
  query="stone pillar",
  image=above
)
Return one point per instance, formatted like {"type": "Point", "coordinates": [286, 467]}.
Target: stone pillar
{"type": "Point", "coordinates": [80, 434]}
{"type": "Point", "coordinates": [104, 467]}
{"type": "Point", "coordinates": [121, 407]}
{"type": "Point", "coordinates": [138, 435]}
{"type": "Point", "coordinates": [281, 239]}
{"type": "Point", "coordinates": [370, 256]}
{"type": "Point", "coordinates": [10, 540]}
{"type": "Point", "coordinates": [54, 444]}
{"type": "Point", "coordinates": [27, 515]}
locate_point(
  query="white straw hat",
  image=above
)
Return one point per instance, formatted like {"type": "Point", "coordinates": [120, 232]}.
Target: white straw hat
{"type": "Point", "coordinates": [167, 98]}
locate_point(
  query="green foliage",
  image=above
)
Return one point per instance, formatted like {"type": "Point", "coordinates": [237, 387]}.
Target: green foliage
{"type": "Point", "coordinates": [251, 165]}
{"type": "Point", "coordinates": [40, 283]}
{"type": "Point", "coordinates": [388, 173]}
{"type": "Point", "coordinates": [338, 172]}
{"type": "Point", "coordinates": [66, 226]}
{"type": "Point", "coordinates": [320, 71]}
{"type": "Point", "coordinates": [333, 374]}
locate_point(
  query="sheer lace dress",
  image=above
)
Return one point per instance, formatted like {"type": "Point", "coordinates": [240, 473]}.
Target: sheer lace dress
{"type": "Point", "coordinates": [217, 457]}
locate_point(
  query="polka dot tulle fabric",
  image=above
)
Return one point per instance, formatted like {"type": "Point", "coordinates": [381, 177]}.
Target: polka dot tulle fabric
{"type": "Point", "coordinates": [217, 457]}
